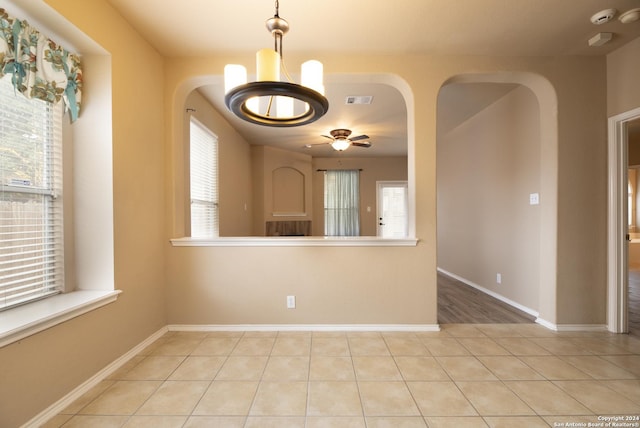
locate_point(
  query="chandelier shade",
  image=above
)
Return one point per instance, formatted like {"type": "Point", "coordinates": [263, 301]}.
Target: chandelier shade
{"type": "Point", "coordinates": [271, 101]}
{"type": "Point", "coordinates": [238, 100]}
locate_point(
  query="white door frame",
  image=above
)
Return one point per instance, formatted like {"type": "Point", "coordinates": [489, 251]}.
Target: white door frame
{"type": "Point", "coordinates": [617, 250]}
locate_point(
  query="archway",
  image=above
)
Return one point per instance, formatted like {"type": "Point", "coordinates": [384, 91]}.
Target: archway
{"type": "Point", "coordinates": [547, 189]}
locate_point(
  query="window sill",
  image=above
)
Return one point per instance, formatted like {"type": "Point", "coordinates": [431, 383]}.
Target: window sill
{"type": "Point", "coordinates": [297, 241]}
{"type": "Point", "coordinates": [23, 321]}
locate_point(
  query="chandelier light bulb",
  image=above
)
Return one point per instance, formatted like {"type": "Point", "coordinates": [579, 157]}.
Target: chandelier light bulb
{"type": "Point", "coordinates": [311, 75]}
{"type": "Point", "coordinates": [234, 75]}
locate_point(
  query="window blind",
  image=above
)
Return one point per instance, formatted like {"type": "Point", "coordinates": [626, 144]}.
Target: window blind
{"type": "Point", "coordinates": [204, 181]}
{"type": "Point", "coordinates": [31, 236]}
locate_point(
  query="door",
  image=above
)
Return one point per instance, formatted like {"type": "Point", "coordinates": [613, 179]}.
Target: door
{"type": "Point", "coordinates": [618, 222]}
{"type": "Point", "coordinates": [392, 209]}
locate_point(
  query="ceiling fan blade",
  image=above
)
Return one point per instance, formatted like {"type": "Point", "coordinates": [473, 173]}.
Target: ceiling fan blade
{"type": "Point", "coordinates": [359, 137]}
{"type": "Point", "coordinates": [365, 144]}
{"type": "Point", "coordinates": [327, 136]}
{"type": "Point", "coordinates": [308, 146]}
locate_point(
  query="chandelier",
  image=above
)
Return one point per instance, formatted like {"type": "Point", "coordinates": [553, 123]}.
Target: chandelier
{"type": "Point", "coordinates": [270, 101]}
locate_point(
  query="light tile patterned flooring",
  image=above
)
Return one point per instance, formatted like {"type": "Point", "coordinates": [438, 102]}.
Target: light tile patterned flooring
{"type": "Point", "coordinates": [494, 375]}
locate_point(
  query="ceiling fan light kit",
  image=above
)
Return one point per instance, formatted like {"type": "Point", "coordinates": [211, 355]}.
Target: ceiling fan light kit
{"type": "Point", "coordinates": [269, 101]}
{"type": "Point", "coordinates": [340, 140]}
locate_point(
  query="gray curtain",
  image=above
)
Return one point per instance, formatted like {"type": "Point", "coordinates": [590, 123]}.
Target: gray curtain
{"type": "Point", "coordinates": [342, 203]}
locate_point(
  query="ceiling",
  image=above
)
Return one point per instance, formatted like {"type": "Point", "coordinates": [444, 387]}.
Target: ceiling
{"type": "Point", "coordinates": [437, 27]}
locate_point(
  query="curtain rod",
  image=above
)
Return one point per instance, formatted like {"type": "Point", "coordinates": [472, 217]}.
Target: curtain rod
{"type": "Point", "coordinates": [343, 169]}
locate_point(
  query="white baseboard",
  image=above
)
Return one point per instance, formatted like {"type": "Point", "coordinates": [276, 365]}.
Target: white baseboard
{"type": "Point", "coordinates": [493, 294]}
{"type": "Point", "coordinates": [306, 327]}
{"type": "Point", "coordinates": [547, 324]}
{"type": "Point", "coordinates": [572, 327]}
{"type": "Point", "coordinates": [65, 401]}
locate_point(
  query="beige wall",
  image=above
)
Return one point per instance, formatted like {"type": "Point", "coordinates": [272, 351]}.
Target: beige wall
{"type": "Point", "coordinates": [373, 170]}
{"type": "Point", "coordinates": [220, 293]}
{"type": "Point", "coordinates": [487, 167]}
{"type": "Point", "coordinates": [39, 370]}
{"type": "Point", "coordinates": [234, 167]}
{"type": "Point", "coordinates": [634, 147]}
{"type": "Point", "coordinates": [623, 87]}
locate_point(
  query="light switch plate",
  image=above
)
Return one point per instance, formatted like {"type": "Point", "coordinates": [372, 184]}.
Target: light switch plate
{"type": "Point", "coordinates": [534, 199]}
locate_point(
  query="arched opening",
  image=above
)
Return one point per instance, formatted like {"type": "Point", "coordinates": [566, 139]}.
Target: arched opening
{"type": "Point", "coordinates": [497, 188]}
{"type": "Point", "coordinates": [225, 129]}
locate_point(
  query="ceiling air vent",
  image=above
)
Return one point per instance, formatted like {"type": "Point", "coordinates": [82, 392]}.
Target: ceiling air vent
{"type": "Point", "coordinates": [359, 99]}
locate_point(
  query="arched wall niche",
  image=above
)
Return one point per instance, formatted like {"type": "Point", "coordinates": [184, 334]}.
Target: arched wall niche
{"type": "Point", "coordinates": [289, 191]}
{"type": "Point", "coordinates": [548, 105]}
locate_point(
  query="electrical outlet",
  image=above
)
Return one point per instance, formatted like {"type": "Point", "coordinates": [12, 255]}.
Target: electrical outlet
{"type": "Point", "coordinates": [291, 302]}
{"type": "Point", "coordinates": [499, 278]}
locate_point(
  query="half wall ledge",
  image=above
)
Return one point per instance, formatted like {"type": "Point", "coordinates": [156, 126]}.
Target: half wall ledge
{"type": "Point", "coordinates": [296, 241]}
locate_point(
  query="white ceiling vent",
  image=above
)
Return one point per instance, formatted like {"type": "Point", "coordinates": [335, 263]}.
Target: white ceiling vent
{"type": "Point", "coordinates": [359, 99]}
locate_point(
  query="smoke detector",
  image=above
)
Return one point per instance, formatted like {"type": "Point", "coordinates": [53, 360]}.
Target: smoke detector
{"type": "Point", "coordinates": [603, 16]}
{"type": "Point", "coordinates": [630, 16]}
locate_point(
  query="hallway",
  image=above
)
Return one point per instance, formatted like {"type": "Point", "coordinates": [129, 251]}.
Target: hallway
{"type": "Point", "coordinates": [459, 303]}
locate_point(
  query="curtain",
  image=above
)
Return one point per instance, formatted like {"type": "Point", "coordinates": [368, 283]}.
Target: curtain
{"type": "Point", "coordinates": [39, 67]}
{"type": "Point", "coordinates": [342, 203]}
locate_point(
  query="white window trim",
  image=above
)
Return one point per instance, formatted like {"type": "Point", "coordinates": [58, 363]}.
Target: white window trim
{"type": "Point", "coordinates": [22, 321]}
{"type": "Point", "coordinates": [94, 284]}
{"type": "Point", "coordinates": [296, 241]}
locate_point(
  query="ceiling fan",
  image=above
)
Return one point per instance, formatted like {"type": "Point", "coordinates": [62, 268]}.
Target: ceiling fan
{"type": "Point", "coordinates": [341, 141]}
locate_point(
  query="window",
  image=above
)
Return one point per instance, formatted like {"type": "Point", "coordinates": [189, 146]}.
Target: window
{"type": "Point", "coordinates": [342, 203]}
{"type": "Point", "coordinates": [204, 181]}
{"type": "Point", "coordinates": [31, 239]}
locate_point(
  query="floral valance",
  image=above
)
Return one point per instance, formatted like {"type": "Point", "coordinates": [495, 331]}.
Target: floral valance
{"type": "Point", "coordinates": [40, 68]}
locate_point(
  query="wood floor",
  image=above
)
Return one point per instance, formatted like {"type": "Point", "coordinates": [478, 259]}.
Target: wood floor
{"type": "Point", "coordinates": [634, 301]}
{"type": "Point", "coordinates": [459, 303]}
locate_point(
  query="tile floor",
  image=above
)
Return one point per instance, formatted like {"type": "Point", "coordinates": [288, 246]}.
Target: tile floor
{"type": "Point", "coordinates": [494, 375]}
